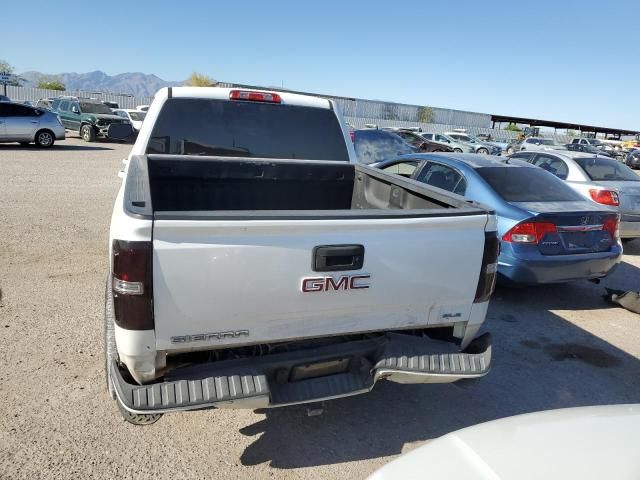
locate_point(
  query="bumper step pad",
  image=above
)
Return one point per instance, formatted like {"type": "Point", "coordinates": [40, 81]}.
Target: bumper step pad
{"type": "Point", "coordinates": [397, 355]}
{"type": "Point", "coordinates": [188, 394]}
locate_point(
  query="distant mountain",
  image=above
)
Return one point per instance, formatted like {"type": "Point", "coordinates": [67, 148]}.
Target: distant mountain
{"type": "Point", "coordinates": [133, 83]}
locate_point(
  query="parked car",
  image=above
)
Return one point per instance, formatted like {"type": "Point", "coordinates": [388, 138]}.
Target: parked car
{"type": "Point", "coordinates": [551, 445]}
{"type": "Point", "coordinates": [549, 232]}
{"type": "Point", "coordinates": [540, 144]}
{"type": "Point", "coordinates": [630, 144]}
{"type": "Point", "coordinates": [601, 179]}
{"type": "Point", "coordinates": [585, 148]}
{"type": "Point", "coordinates": [45, 103]}
{"type": "Point", "coordinates": [111, 105]}
{"type": "Point", "coordinates": [513, 146]}
{"type": "Point", "coordinates": [91, 119]}
{"type": "Point", "coordinates": [632, 159]}
{"type": "Point", "coordinates": [24, 124]}
{"type": "Point", "coordinates": [592, 145]}
{"type": "Point", "coordinates": [478, 146]}
{"type": "Point", "coordinates": [459, 147]}
{"type": "Point", "coordinates": [142, 108]}
{"type": "Point", "coordinates": [422, 144]}
{"type": "Point", "coordinates": [136, 117]}
{"type": "Point", "coordinates": [292, 273]}
{"type": "Point", "coordinates": [373, 145]}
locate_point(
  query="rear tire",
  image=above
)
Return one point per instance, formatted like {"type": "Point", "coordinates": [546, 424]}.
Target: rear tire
{"type": "Point", "coordinates": [483, 151]}
{"type": "Point", "coordinates": [509, 151]}
{"type": "Point", "coordinates": [457, 150]}
{"type": "Point", "coordinates": [111, 355]}
{"type": "Point", "coordinates": [87, 133]}
{"type": "Point", "coordinates": [45, 139]}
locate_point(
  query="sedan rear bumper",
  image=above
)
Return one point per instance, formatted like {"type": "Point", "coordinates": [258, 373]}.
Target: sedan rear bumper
{"type": "Point", "coordinates": [298, 377]}
{"type": "Point", "coordinates": [558, 268]}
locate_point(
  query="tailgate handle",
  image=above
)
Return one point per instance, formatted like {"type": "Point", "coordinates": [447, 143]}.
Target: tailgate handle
{"type": "Point", "coordinates": [333, 258]}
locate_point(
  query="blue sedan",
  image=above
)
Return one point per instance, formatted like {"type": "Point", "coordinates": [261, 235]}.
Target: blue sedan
{"type": "Point", "coordinates": [549, 233]}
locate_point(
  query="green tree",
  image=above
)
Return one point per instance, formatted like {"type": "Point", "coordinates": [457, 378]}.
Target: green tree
{"type": "Point", "coordinates": [5, 67]}
{"type": "Point", "coordinates": [51, 84]}
{"type": "Point", "coordinates": [512, 127]}
{"type": "Point", "coordinates": [200, 80]}
{"type": "Point", "coordinates": [425, 114]}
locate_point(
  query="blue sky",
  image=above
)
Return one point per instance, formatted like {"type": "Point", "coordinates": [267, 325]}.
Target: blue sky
{"type": "Point", "coordinates": [568, 61]}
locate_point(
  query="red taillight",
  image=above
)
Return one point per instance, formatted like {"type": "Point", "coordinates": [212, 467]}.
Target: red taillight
{"type": "Point", "coordinates": [612, 225]}
{"type": "Point", "coordinates": [529, 232]}
{"type": "Point", "coordinates": [250, 96]}
{"type": "Point", "coordinates": [605, 197]}
{"type": "Point", "coordinates": [132, 285]}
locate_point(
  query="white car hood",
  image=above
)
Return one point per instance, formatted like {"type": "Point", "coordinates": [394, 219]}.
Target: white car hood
{"type": "Point", "coordinates": [576, 443]}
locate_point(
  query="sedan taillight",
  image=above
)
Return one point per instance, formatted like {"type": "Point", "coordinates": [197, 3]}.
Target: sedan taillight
{"type": "Point", "coordinates": [529, 232]}
{"type": "Point", "coordinates": [612, 225]}
{"type": "Point", "coordinates": [605, 197]}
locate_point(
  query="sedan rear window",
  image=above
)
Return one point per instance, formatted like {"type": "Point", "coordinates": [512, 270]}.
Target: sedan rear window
{"type": "Point", "coordinates": [527, 184]}
{"type": "Point", "coordinates": [603, 169]}
{"type": "Point", "coordinates": [247, 129]}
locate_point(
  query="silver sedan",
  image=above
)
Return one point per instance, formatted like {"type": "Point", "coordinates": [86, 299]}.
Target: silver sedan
{"type": "Point", "coordinates": [25, 124]}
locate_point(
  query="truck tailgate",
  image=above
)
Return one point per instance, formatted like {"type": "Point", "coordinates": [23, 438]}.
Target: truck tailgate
{"type": "Point", "coordinates": [236, 282]}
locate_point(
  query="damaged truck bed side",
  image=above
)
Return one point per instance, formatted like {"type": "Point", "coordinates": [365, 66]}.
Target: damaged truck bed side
{"type": "Point", "coordinates": [254, 263]}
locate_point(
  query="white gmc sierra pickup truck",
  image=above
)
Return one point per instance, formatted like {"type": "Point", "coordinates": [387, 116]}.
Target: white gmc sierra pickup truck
{"type": "Point", "coordinates": [255, 263]}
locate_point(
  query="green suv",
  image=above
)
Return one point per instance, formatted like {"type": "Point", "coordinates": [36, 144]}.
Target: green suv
{"type": "Point", "coordinates": [91, 119]}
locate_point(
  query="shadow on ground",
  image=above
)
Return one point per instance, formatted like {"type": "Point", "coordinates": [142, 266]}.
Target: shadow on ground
{"type": "Point", "coordinates": [541, 362]}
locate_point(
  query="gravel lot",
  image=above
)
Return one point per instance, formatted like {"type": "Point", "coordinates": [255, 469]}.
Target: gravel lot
{"type": "Point", "coordinates": [557, 346]}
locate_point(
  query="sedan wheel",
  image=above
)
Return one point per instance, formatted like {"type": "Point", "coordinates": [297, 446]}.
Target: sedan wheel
{"type": "Point", "coordinates": [483, 151]}
{"type": "Point", "coordinates": [44, 139]}
{"type": "Point", "coordinates": [510, 150]}
{"type": "Point", "coordinates": [457, 150]}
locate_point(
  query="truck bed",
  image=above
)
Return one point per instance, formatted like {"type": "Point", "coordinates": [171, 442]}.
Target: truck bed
{"type": "Point", "coordinates": [191, 186]}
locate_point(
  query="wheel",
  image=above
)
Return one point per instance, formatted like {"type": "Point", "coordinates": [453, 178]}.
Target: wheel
{"type": "Point", "coordinates": [24, 144]}
{"type": "Point", "coordinates": [457, 150]}
{"type": "Point", "coordinates": [483, 151]}
{"type": "Point", "coordinates": [45, 139]}
{"type": "Point", "coordinates": [509, 150]}
{"type": "Point", "coordinates": [87, 133]}
{"type": "Point", "coordinates": [111, 354]}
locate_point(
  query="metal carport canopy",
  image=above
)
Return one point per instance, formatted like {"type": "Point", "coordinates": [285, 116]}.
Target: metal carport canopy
{"type": "Point", "coordinates": [536, 122]}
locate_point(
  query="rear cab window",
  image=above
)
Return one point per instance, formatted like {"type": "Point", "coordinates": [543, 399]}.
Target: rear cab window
{"type": "Point", "coordinates": [187, 126]}
{"type": "Point", "coordinates": [527, 184]}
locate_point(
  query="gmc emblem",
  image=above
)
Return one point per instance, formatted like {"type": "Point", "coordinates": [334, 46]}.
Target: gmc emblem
{"type": "Point", "coordinates": [327, 284]}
